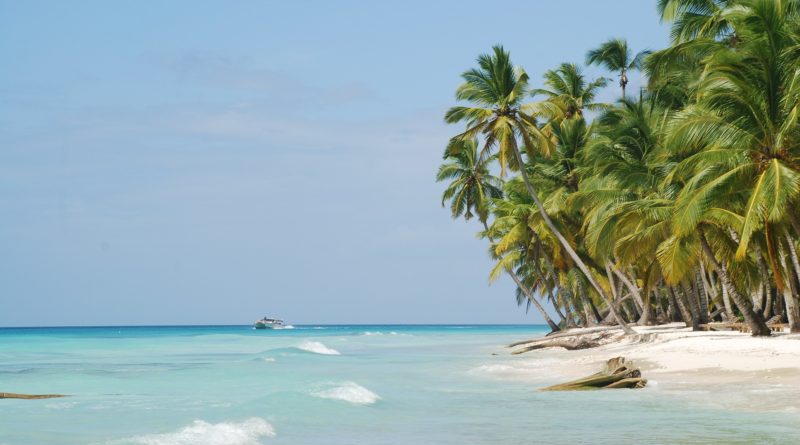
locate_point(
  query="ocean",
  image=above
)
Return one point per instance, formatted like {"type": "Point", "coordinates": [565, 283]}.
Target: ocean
{"type": "Point", "coordinates": [334, 385]}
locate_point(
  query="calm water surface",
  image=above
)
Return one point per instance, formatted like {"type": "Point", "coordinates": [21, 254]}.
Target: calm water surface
{"type": "Point", "coordinates": [332, 385]}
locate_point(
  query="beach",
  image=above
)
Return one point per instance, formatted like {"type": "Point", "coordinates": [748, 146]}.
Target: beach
{"type": "Point", "coordinates": [385, 384]}
{"type": "Point", "coordinates": [733, 368]}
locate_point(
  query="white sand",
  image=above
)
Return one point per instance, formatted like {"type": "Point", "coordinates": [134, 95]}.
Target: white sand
{"type": "Point", "coordinates": [752, 372]}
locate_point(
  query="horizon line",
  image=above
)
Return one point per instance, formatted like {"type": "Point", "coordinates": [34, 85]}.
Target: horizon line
{"type": "Point", "coordinates": [241, 325]}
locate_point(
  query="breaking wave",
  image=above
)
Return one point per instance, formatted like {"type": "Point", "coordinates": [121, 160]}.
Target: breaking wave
{"type": "Point", "coordinates": [317, 348]}
{"type": "Point", "coordinates": [247, 432]}
{"type": "Point", "coordinates": [350, 392]}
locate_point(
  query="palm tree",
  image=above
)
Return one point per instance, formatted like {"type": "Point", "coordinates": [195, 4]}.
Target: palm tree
{"type": "Point", "coordinates": [472, 189]}
{"type": "Point", "coordinates": [567, 87]}
{"type": "Point", "coordinates": [746, 125]}
{"type": "Point", "coordinates": [683, 204]}
{"type": "Point", "coordinates": [615, 56]}
{"type": "Point", "coordinates": [692, 19]}
{"type": "Point", "coordinates": [472, 186]}
{"type": "Point", "coordinates": [513, 244]}
{"type": "Point", "coordinates": [496, 89]}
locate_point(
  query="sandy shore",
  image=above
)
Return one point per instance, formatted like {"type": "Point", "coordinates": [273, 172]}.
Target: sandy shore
{"type": "Point", "coordinates": [756, 373]}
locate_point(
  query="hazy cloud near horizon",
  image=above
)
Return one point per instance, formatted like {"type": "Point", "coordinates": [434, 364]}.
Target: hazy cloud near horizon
{"type": "Point", "coordinates": [198, 164]}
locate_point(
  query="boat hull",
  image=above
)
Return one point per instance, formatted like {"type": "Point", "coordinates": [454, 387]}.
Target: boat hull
{"type": "Point", "coordinates": [262, 325]}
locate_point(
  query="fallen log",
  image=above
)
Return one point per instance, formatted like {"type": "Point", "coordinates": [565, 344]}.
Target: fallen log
{"type": "Point", "coordinates": [568, 344]}
{"type": "Point", "coordinates": [571, 333]}
{"type": "Point", "coordinates": [11, 395]}
{"type": "Point", "coordinates": [576, 341]}
{"type": "Point", "coordinates": [617, 374]}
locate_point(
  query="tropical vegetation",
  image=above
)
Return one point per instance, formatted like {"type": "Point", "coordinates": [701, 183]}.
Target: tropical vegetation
{"type": "Point", "coordinates": [677, 203]}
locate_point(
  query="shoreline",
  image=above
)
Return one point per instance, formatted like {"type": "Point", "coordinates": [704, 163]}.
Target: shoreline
{"type": "Point", "coordinates": [762, 372]}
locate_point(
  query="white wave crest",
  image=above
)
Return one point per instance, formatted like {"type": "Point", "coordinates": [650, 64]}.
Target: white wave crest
{"type": "Point", "coordinates": [317, 348]}
{"type": "Point", "coordinates": [494, 368]}
{"type": "Point", "coordinates": [247, 432]}
{"type": "Point", "coordinates": [371, 333]}
{"type": "Point", "coordinates": [350, 392]}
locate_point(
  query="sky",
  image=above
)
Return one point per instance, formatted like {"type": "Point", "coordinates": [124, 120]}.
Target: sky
{"type": "Point", "coordinates": [193, 162]}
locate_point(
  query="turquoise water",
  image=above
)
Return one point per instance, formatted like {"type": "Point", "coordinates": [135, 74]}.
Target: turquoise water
{"type": "Point", "coordinates": [332, 385]}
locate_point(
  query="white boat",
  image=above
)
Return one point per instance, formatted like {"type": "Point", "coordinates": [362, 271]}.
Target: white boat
{"type": "Point", "coordinates": [269, 323]}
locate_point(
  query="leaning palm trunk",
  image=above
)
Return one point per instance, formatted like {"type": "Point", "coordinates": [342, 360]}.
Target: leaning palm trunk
{"type": "Point", "coordinates": [570, 318]}
{"type": "Point", "coordinates": [565, 244]}
{"type": "Point", "coordinates": [528, 294]}
{"type": "Point", "coordinates": [592, 317]}
{"type": "Point", "coordinates": [689, 301]}
{"type": "Point", "coordinates": [677, 298]}
{"type": "Point", "coordinates": [646, 309]}
{"type": "Point", "coordinates": [549, 288]}
{"type": "Point", "coordinates": [726, 300]}
{"type": "Point", "coordinates": [792, 313]}
{"type": "Point", "coordinates": [765, 281]}
{"type": "Point", "coordinates": [711, 293]}
{"type": "Point", "coordinates": [754, 320]}
{"type": "Point", "coordinates": [553, 327]}
{"type": "Point", "coordinates": [791, 302]}
{"type": "Point", "coordinates": [702, 296]}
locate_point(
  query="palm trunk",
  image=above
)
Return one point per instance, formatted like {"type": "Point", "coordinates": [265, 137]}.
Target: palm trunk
{"type": "Point", "coordinates": [671, 313]}
{"type": "Point", "coordinates": [711, 291]}
{"type": "Point", "coordinates": [567, 247]}
{"type": "Point", "coordinates": [766, 287]}
{"type": "Point", "coordinates": [570, 318]}
{"type": "Point", "coordinates": [686, 314]}
{"type": "Point", "coordinates": [528, 294]}
{"type": "Point", "coordinates": [754, 320]}
{"type": "Point", "coordinates": [702, 296]}
{"type": "Point", "coordinates": [623, 81]}
{"type": "Point", "coordinates": [592, 317]}
{"type": "Point", "coordinates": [616, 292]}
{"type": "Point", "coordinates": [726, 300]}
{"type": "Point", "coordinates": [553, 327]}
{"type": "Point", "coordinates": [690, 304]}
{"type": "Point", "coordinates": [542, 254]}
{"type": "Point", "coordinates": [790, 303]}
{"type": "Point", "coordinates": [633, 288]}
{"type": "Point", "coordinates": [792, 309]}
{"type": "Point", "coordinates": [575, 299]}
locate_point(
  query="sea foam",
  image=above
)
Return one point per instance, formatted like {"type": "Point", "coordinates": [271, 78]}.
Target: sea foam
{"type": "Point", "coordinates": [350, 392]}
{"type": "Point", "coordinates": [317, 348]}
{"type": "Point", "coordinates": [247, 432]}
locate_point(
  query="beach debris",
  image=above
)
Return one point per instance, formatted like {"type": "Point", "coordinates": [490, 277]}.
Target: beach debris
{"type": "Point", "coordinates": [617, 373]}
{"type": "Point", "coordinates": [579, 339]}
{"type": "Point", "coordinates": [11, 395]}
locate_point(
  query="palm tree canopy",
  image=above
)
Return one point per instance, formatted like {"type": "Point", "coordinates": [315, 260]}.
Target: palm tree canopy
{"type": "Point", "coordinates": [681, 204]}
{"type": "Point", "coordinates": [472, 186]}
{"type": "Point", "coordinates": [568, 88]}
{"type": "Point", "coordinates": [615, 55]}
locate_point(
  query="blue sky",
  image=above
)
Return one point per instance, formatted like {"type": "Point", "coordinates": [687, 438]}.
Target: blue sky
{"type": "Point", "coordinates": [195, 162]}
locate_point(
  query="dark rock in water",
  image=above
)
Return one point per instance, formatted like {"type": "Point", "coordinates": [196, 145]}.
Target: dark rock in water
{"type": "Point", "coordinates": [616, 374]}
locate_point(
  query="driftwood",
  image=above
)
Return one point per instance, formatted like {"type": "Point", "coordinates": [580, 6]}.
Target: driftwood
{"type": "Point", "coordinates": [616, 374]}
{"type": "Point", "coordinates": [11, 395]}
{"type": "Point", "coordinates": [570, 344]}
{"type": "Point", "coordinates": [573, 341]}
{"type": "Point", "coordinates": [570, 333]}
